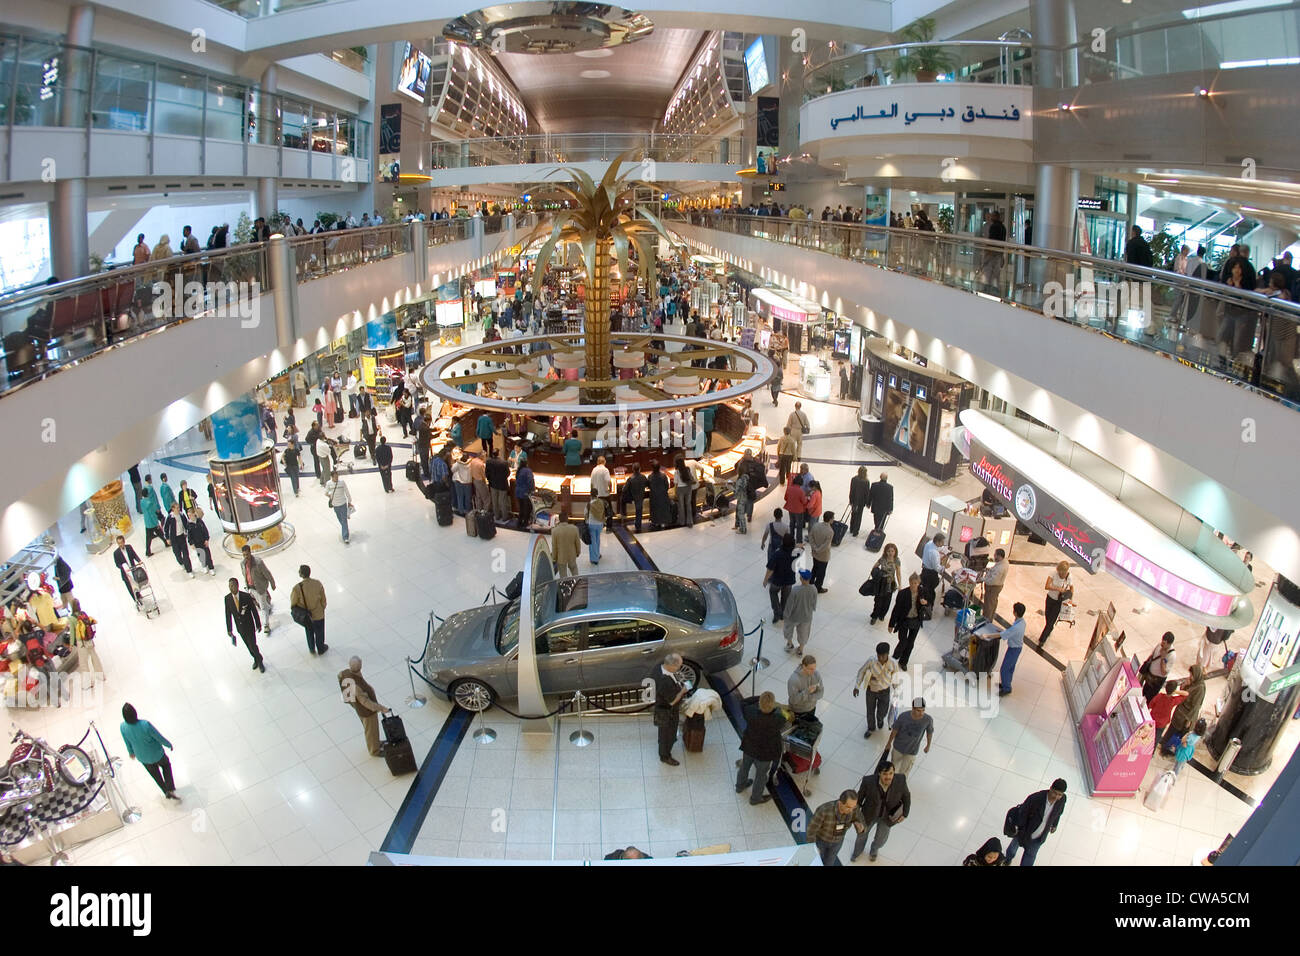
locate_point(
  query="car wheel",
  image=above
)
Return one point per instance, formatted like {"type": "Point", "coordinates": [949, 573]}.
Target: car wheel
{"type": "Point", "coordinates": [692, 674]}
{"type": "Point", "coordinates": [472, 695]}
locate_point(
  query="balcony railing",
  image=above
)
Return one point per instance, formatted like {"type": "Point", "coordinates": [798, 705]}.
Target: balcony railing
{"type": "Point", "coordinates": [1246, 337]}
{"type": "Point", "coordinates": [52, 327]}
{"type": "Point", "coordinates": [587, 147]}
{"type": "Point", "coordinates": [965, 61]}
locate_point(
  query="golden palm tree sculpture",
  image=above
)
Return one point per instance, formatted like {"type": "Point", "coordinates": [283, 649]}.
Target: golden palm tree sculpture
{"type": "Point", "coordinates": [603, 220]}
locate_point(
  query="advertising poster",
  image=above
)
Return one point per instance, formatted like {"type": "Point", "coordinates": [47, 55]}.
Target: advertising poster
{"type": "Point", "coordinates": [248, 493]}
{"type": "Point", "coordinates": [413, 78]}
{"type": "Point", "coordinates": [1274, 645]}
{"type": "Point", "coordinates": [907, 420]}
{"type": "Point", "coordinates": [840, 345]}
{"type": "Point", "coordinates": [390, 141]}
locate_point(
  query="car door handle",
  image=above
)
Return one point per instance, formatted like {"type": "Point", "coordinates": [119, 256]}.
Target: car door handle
{"type": "Point", "coordinates": [647, 651]}
{"type": "Point", "coordinates": [571, 660]}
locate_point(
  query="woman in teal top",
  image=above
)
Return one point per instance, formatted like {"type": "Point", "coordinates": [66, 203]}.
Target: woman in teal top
{"type": "Point", "coordinates": [144, 743]}
{"type": "Point", "coordinates": [572, 455]}
{"type": "Point", "coordinates": [152, 518]}
{"type": "Point", "coordinates": [457, 435]}
{"type": "Point", "coordinates": [167, 495]}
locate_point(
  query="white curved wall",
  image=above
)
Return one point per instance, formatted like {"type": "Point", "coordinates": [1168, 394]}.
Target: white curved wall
{"type": "Point", "coordinates": [1175, 429]}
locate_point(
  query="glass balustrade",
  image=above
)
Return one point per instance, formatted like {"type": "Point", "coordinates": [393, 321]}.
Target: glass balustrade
{"type": "Point", "coordinates": [52, 327]}
{"type": "Point", "coordinates": [1246, 337]}
{"type": "Point", "coordinates": [587, 147]}
{"type": "Point", "coordinates": [959, 61]}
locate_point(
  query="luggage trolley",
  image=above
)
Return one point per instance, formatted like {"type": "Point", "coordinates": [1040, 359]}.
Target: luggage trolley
{"type": "Point", "coordinates": [975, 643]}
{"type": "Point", "coordinates": [800, 755]}
{"type": "Point", "coordinates": [145, 600]}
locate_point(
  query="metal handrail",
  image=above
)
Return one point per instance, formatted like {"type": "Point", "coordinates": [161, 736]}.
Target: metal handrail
{"type": "Point", "coordinates": [552, 148]}
{"type": "Point", "coordinates": [815, 74]}
{"type": "Point", "coordinates": [1023, 276]}
{"type": "Point", "coordinates": [127, 292]}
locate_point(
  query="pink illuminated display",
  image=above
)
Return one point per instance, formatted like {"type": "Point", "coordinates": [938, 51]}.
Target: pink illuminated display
{"type": "Point", "coordinates": [789, 315]}
{"type": "Point", "coordinates": [1170, 585]}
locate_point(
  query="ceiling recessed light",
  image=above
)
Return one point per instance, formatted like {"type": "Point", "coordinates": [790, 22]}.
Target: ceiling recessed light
{"type": "Point", "coordinates": [594, 74]}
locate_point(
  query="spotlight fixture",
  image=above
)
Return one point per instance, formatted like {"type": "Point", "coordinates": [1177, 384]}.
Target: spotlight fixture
{"type": "Point", "coordinates": [1065, 107]}
{"type": "Point", "coordinates": [1202, 92]}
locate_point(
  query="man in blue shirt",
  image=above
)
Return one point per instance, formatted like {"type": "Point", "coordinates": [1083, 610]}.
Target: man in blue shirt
{"type": "Point", "coordinates": [1014, 637]}
{"type": "Point", "coordinates": [523, 491]}
{"type": "Point", "coordinates": [931, 566]}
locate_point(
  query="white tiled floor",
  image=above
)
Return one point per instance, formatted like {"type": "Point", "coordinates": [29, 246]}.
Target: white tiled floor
{"type": "Point", "coordinates": [273, 769]}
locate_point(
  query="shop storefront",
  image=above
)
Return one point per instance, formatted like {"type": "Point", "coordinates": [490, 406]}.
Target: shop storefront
{"type": "Point", "coordinates": [1203, 583]}
{"type": "Point", "coordinates": [909, 411]}
{"type": "Point", "coordinates": [789, 315]}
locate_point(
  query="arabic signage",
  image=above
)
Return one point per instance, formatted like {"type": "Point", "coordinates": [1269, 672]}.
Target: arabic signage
{"type": "Point", "coordinates": [961, 109]}
{"type": "Point", "coordinates": [1093, 202]}
{"type": "Point", "coordinates": [1038, 510]}
{"type": "Point", "coordinates": [943, 113]}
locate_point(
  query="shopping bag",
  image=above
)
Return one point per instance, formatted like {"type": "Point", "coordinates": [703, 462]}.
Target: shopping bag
{"type": "Point", "coordinates": [1159, 792]}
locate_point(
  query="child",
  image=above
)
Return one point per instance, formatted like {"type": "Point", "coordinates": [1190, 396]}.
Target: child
{"type": "Point", "coordinates": [319, 409]}
{"type": "Point", "coordinates": [1188, 745]}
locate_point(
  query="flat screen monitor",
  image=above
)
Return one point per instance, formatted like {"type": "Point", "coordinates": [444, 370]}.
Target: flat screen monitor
{"type": "Point", "coordinates": [413, 80]}
{"type": "Point", "coordinates": [756, 66]}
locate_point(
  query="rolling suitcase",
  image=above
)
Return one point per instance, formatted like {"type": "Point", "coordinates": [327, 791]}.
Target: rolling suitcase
{"type": "Point", "coordinates": [693, 734]}
{"type": "Point", "coordinates": [875, 541]}
{"type": "Point", "coordinates": [338, 415]}
{"type": "Point", "coordinates": [471, 523]}
{"type": "Point", "coordinates": [442, 507]}
{"type": "Point", "coordinates": [412, 470]}
{"type": "Point", "coordinates": [399, 757]}
{"type": "Point", "coordinates": [487, 525]}
{"type": "Point", "coordinates": [394, 729]}
{"type": "Point", "coordinates": [839, 528]}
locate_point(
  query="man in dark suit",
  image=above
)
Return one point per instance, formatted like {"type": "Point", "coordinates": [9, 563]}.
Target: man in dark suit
{"type": "Point", "coordinates": [365, 402]}
{"type": "Point", "coordinates": [859, 497]}
{"type": "Point", "coordinates": [424, 435]}
{"type": "Point", "coordinates": [242, 616]}
{"type": "Point", "coordinates": [881, 501]}
{"type": "Point", "coordinates": [125, 558]}
{"type": "Point", "coordinates": [884, 801]}
{"type": "Point", "coordinates": [384, 459]}
{"type": "Point", "coordinates": [1038, 816]}
{"type": "Point", "coordinates": [669, 692]}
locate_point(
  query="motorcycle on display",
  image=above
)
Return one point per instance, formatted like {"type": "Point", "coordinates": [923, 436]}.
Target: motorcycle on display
{"type": "Point", "coordinates": [30, 771]}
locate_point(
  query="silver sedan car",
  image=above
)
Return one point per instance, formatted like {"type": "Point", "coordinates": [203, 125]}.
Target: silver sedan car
{"type": "Point", "coordinates": [592, 633]}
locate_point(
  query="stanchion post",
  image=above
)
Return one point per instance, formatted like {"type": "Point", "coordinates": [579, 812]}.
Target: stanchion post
{"type": "Point", "coordinates": [415, 701]}
{"type": "Point", "coordinates": [130, 814]}
{"type": "Point", "coordinates": [484, 734]}
{"type": "Point", "coordinates": [759, 661]}
{"type": "Point", "coordinates": [580, 737]}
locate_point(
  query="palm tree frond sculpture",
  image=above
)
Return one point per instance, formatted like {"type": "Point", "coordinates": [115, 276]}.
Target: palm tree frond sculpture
{"type": "Point", "coordinates": [605, 222]}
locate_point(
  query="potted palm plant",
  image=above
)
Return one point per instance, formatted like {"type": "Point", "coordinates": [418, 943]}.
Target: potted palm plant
{"type": "Point", "coordinates": [923, 62]}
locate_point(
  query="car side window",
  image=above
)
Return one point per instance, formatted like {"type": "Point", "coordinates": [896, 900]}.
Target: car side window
{"type": "Point", "coordinates": [559, 640]}
{"type": "Point", "coordinates": [621, 632]}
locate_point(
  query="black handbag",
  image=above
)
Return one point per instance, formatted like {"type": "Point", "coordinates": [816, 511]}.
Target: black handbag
{"type": "Point", "coordinates": [300, 615]}
{"type": "Point", "coordinates": [1011, 825]}
{"type": "Point", "coordinates": [868, 587]}
{"type": "Point", "coordinates": [584, 532]}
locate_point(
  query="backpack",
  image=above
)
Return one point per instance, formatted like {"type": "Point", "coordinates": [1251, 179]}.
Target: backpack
{"type": "Point", "coordinates": [85, 628]}
{"type": "Point", "coordinates": [1011, 825]}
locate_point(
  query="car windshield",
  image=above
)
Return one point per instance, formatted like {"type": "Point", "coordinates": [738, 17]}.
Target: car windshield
{"type": "Point", "coordinates": [508, 622]}
{"type": "Point", "coordinates": [680, 597]}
